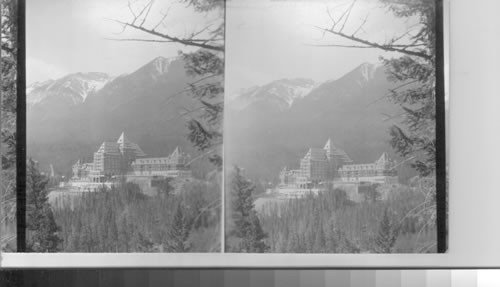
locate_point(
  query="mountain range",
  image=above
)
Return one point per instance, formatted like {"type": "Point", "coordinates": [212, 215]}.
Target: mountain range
{"type": "Point", "coordinates": [281, 94]}
{"type": "Point", "coordinates": [271, 126]}
{"type": "Point", "coordinates": [72, 89]}
{"type": "Point", "coordinates": [69, 118]}
{"type": "Point", "coordinates": [265, 127]}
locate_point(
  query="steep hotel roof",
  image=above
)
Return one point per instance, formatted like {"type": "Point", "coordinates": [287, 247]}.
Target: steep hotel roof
{"type": "Point", "coordinates": [125, 144]}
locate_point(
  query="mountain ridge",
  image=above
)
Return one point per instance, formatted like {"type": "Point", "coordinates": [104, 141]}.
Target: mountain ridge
{"type": "Point", "coordinates": [273, 127]}
{"type": "Point", "coordinates": [291, 90]}
{"type": "Point", "coordinates": [74, 87]}
{"type": "Point", "coordinates": [84, 84]}
{"type": "Point", "coordinates": [282, 93]}
{"type": "Point", "coordinates": [351, 109]}
{"type": "Point", "coordinates": [59, 132]}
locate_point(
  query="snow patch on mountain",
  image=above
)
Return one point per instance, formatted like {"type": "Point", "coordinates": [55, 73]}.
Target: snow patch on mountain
{"type": "Point", "coordinates": [74, 87]}
{"type": "Point", "coordinates": [37, 97]}
{"type": "Point", "coordinates": [281, 93]}
{"type": "Point", "coordinates": [368, 70]}
{"type": "Point", "coordinates": [157, 68]}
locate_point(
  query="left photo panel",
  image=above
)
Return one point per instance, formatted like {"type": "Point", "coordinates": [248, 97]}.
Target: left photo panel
{"type": "Point", "coordinates": [8, 120]}
{"type": "Point", "coordinates": [124, 105]}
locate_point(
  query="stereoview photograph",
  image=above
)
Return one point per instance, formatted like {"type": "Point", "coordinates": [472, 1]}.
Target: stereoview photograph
{"type": "Point", "coordinates": [124, 125]}
{"type": "Point", "coordinates": [330, 127]}
{"type": "Point", "coordinates": [8, 117]}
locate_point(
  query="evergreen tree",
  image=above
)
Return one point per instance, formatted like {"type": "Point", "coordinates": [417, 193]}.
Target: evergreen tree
{"type": "Point", "coordinates": [331, 237]}
{"type": "Point", "coordinates": [73, 242]}
{"type": "Point", "coordinates": [246, 222]}
{"type": "Point", "coordinates": [69, 242]}
{"type": "Point", "coordinates": [144, 244]}
{"type": "Point", "coordinates": [42, 230]}
{"type": "Point", "coordinates": [346, 245]}
{"type": "Point", "coordinates": [387, 235]}
{"type": "Point", "coordinates": [178, 232]}
{"type": "Point", "coordinates": [8, 92]}
{"type": "Point", "coordinates": [165, 186]}
{"type": "Point", "coordinates": [8, 103]}
{"type": "Point", "coordinates": [242, 202]}
{"type": "Point", "coordinates": [86, 240]}
{"type": "Point", "coordinates": [293, 243]}
{"type": "Point", "coordinates": [254, 240]}
{"type": "Point", "coordinates": [369, 192]}
{"type": "Point", "coordinates": [123, 234]}
{"type": "Point", "coordinates": [415, 137]}
{"type": "Point", "coordinates": [319, 240]}
{"type": "Point", "coordinates": [114, 236]}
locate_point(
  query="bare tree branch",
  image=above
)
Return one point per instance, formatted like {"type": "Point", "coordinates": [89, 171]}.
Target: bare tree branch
{"type": "Point", "coordinates": [142, 11]}
{"type": "Point", "coordinates": [362, 24]}
{"type": "Point", "coordinates": [386, 47]}
{"type": "Point", "coordinates": [331, 18]}
{"type": "Point", "coordinates": [194, 34]}
{"type": "Point", "coordinates": [390, 117]}
{"type": "Point", "coordinates": [341, 46]}
{"type": "Point", "coordinates": [207, 153]}
{"type": "Point", "coordinates": [349, 10]}
{"type": "Point", "coordinates": [139, 40]}
{"type": "Point", "coordinates": [393, 90]}
{"type": "Point", "coordinates": [150, 4]}
{"type": "Point", "coordinates": [187, 42]}
{"type": "Point", "coordinates": [153, 40]}
{"type": "Point", "coordinates": [165, 15]}
{"type": "Point", "coordinates": [131, 10]}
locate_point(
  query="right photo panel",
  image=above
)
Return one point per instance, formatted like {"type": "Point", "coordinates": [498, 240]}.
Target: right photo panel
{"type": "Point", "coordinates": [334, 127]}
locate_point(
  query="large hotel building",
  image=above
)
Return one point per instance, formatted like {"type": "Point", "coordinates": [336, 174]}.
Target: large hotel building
{"type": "Point", "coordinates": [330, 164]}
{"type": "Point", "coordinates": [125, 158]}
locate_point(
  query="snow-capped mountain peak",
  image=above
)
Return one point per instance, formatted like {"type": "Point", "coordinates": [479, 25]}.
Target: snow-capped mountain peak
{"type": "Point", "coordinates": [157, 67]}
{"type": "Point", "coordinates": [73, 88]}
{"type": "Point", "coordinates": [282, 93]}
{"type": "Point", "coordinates": [161, 64]}
{"type": "Point", "coordinates": [368, 70]}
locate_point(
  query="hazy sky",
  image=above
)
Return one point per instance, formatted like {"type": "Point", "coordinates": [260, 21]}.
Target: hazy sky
{"type": "Point", "coordinates": [265, 40]}
{"type": "Point", "coordinates": [67, 36]}
{"type": "Point", "coordinates": [268, 40]}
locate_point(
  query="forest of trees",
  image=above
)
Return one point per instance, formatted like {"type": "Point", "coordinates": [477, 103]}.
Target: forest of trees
{"type": "Point", "coordinates": [8, 105]}
{"type": "Point", "coordinates": [42, 232]}
{"type": "Point", "coordinates": [123, 219]}
{"type": "Point", "coordinates": [331, 223]}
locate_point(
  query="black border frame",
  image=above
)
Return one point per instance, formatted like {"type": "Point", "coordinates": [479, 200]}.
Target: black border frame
{"type": "Point", "coordinates": [21, 128]}
{"type": "Point", "coordinates": [441, 168]}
